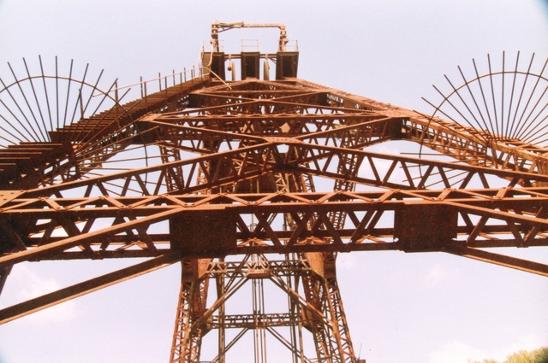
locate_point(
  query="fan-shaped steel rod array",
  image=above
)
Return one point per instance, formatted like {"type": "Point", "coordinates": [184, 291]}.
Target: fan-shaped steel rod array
{"type": "Point", "coordinates": [35, 105]}
{"type": "Point", "coordinates": [495, 111]}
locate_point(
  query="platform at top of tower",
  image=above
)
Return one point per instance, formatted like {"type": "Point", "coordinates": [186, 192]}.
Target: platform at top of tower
{"type": "Point", "coordinates": [222, 65]}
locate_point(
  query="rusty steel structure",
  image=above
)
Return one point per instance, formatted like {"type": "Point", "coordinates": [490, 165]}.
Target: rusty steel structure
{"type": "Point", "coordinates": [257, 184]}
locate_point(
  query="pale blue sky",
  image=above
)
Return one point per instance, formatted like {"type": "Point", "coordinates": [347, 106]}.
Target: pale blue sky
{"type": "Point", "coordinates": [432, 308]}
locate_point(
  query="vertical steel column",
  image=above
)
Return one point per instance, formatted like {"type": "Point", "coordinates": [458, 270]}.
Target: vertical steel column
{"type": "Point", "coordinates": [220, 285]}
{"type": "Point", "coordinates": [187, 334]}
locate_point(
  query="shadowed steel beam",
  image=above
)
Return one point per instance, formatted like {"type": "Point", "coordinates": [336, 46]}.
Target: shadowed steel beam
{"type": "Point", "coordinates": [71, 292]}
{"type": "Point", "coordinates": [125, 176]}
{"type": "Point", "coordinates": [82, 238]}
{"type": "Point", "coordinates": [521, 211]}
{"type": "Point", "coordinates": [325, 151]}
{"type": "Point", "coordinates": [501, 260]}
{"type": "Point", "coordinates": [4, 272]}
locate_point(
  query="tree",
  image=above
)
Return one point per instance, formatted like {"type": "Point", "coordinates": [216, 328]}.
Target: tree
{"type": "Point", "coordinates": [534, 356]}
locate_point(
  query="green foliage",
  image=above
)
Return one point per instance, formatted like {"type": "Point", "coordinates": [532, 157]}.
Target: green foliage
{"type": "Point", "coordinates": [535, 356]}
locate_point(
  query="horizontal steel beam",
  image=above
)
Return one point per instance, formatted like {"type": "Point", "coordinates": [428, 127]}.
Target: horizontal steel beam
{"type": "Point", "coordinates": [501, 260]}
{"type": "Point", "coordinates": [251, 321]}
{"type": "Point", "coordinates": [487, 218]}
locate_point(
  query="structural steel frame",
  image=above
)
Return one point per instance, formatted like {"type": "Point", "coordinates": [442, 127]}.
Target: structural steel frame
{"type": "Point", "coordinates": [230, 156]}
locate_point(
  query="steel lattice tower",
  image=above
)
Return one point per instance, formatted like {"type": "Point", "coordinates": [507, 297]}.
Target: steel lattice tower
{"type": "Point", "coordinates": [223, 177]}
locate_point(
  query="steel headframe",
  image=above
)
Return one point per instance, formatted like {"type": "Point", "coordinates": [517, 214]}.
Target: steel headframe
{"type": "Point", "coordinates": [236, 176]}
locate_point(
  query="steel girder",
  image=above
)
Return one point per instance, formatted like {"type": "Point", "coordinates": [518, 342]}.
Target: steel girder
{"type": "Point", "coordinates": [488, 218]}
{"type": "Point", "coordinates": [251, 153]}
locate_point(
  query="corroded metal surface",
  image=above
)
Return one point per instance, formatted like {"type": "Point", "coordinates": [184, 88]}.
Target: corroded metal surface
{"type": "Point", "coordinates": [247, 169]}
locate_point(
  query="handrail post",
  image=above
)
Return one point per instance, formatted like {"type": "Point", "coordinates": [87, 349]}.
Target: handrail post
{"type": "Point", "coordinates": [146, 93]}
{"type": "Point", "coordinates": [116, 91]}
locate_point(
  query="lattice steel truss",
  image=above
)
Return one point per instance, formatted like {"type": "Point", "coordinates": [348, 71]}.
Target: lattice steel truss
{"type": "Point", "coordinates": [242, 168]}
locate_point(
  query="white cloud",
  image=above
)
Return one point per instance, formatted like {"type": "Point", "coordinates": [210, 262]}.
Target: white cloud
{"type": "Point", "coordinates": [455, 352]}
{"type": "Point", "coordinates": [459, 352]}
{"type": "Point", "coordinates": [24, 284]}
{"type": "Point", "coordinates": [435, 275]}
